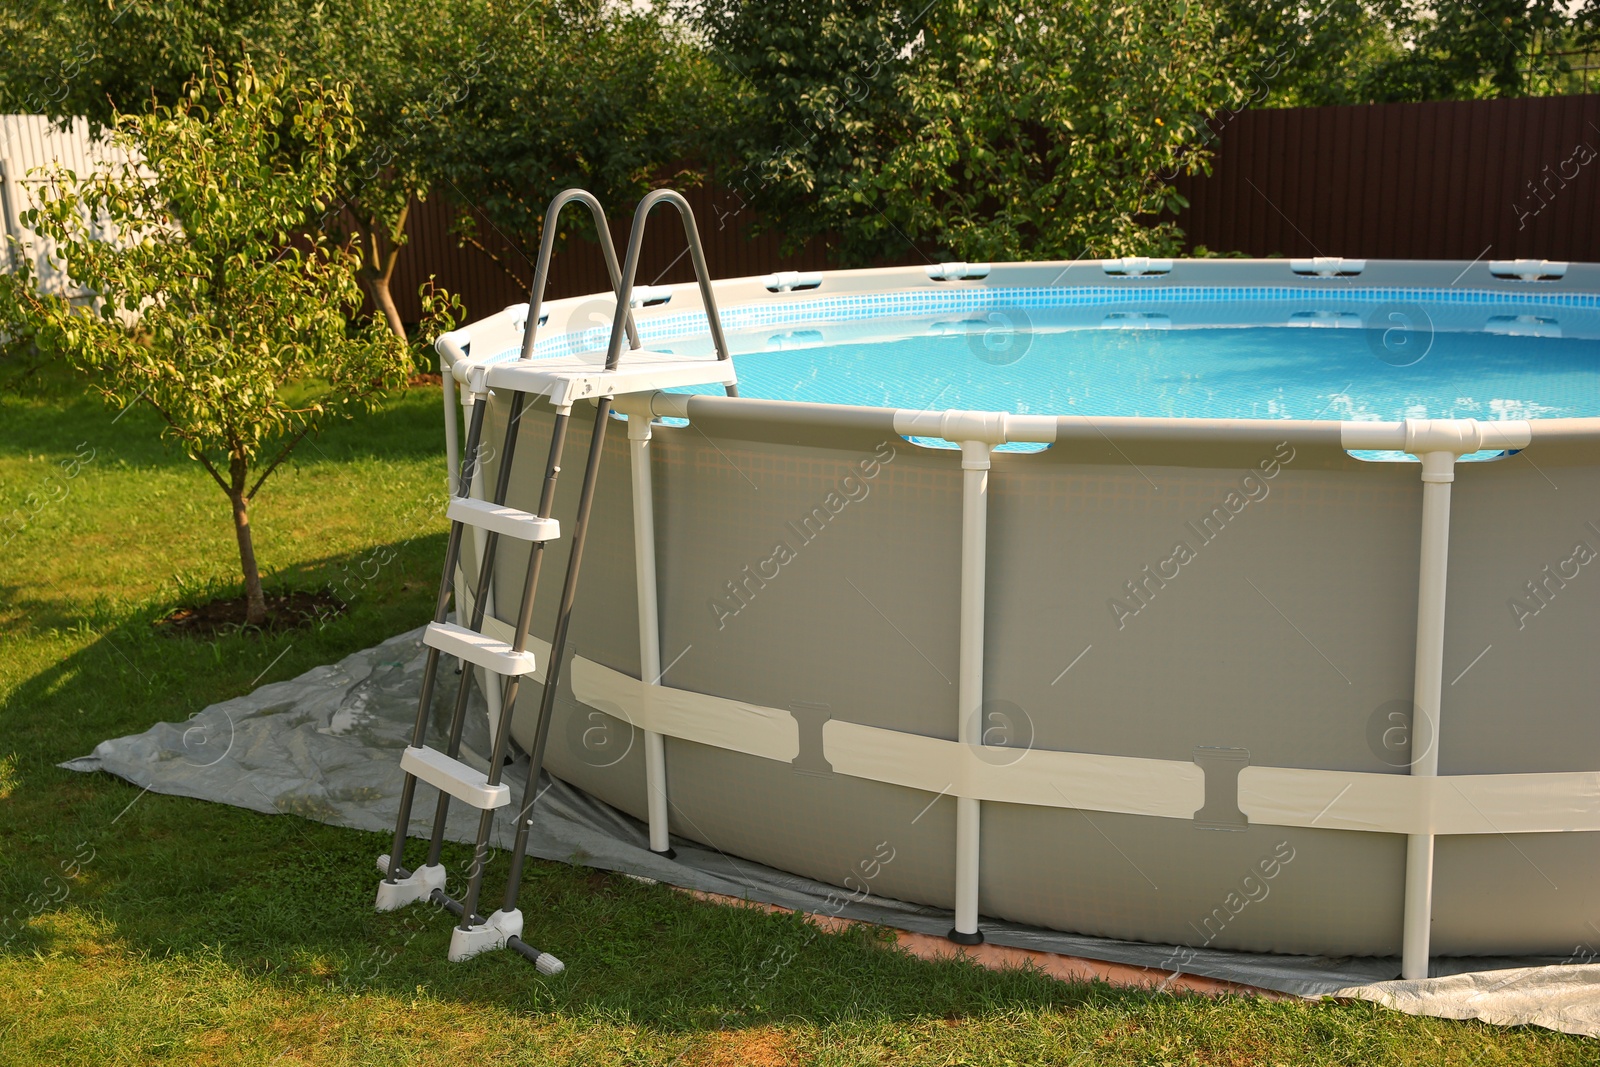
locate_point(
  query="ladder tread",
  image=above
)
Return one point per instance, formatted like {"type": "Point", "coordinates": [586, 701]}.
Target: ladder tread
{"type": "Point", "coordinates": [479, 649]}
{"type": "Point", "coordinates": [461, 781]}
{"type": "Point", "coordinates": [500, 519]}
{"type": "Point", "coordinates": [569, 378]}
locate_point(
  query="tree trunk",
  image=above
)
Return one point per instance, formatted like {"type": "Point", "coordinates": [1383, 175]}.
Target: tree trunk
{"type": "Point", "coordinates": [255, 599]}
{"type": "Point", "coordinates": [378, 286]}
{"type": "Point", "coordinates": [377, 270]}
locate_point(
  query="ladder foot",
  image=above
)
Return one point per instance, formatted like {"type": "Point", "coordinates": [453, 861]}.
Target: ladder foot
{"type": "Point", "coordinates": [408, 886]}
{"type": "Point", "coordinates": [487, 936]}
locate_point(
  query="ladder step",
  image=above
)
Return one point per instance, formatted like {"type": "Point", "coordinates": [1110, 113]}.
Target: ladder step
{"type": "Point", "coordinates": [454, 777]}
{"type": "Point", "coordinates": [566, 379]}
{"type": "Point", "coordinates": [476, 648]}
{"type": "Point", "coordinates": [497, 518]}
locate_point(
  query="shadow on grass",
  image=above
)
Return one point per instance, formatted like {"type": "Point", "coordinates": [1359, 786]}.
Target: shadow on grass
{"type": "Point", "coordinates": [284, 900]}
{"type": "Point", "coordinates": [289, 901]}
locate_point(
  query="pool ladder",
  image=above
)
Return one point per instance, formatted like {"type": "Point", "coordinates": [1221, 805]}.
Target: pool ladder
{"type": "Point", "coordinates": [562, 380]}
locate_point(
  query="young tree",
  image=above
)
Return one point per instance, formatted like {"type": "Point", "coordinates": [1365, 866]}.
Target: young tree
{"type": "Point", "coordinates": [215, 305]}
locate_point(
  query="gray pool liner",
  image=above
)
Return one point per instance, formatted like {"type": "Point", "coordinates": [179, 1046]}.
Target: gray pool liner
{"type": "Point", "coordinates": [326, 746]}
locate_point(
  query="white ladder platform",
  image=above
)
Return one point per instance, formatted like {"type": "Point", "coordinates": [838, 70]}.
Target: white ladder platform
{"type": "Point", "coordinates": [454, 777]}
{"type": "Point", "coordinates": [565, 379]}
{"type": "Point", "coordinates": [497, 518]}
{"type": "Point", "coordinates": [476, 648]}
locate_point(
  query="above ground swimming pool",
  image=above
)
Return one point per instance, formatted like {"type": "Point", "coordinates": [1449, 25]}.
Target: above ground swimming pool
{"type": "Point", "coordinates": [1141, 599]}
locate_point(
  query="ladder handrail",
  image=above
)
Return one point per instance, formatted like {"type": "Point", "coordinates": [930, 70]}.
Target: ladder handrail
{"type": "Point", "coordinates": [630, 269]}
{"type": "Point", "coordinates": [547, 245]}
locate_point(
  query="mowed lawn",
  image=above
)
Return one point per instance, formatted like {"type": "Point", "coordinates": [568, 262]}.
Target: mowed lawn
{"type": "Point", "coordinates": [140, 928]}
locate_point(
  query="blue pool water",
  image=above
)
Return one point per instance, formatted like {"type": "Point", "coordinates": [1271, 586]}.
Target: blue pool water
{"type": "Point", "coordinates": [1241, 372]}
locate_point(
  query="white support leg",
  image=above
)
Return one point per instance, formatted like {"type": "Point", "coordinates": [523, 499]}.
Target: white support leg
{"type": "Point", "coordinates": [1437, 443]}
{"type": "Point", "coordinates": [644, 569]}
{"type": "Point", "coordinates": [969, 687]}
{"type": "Point", "coordinates": [1438, 471]}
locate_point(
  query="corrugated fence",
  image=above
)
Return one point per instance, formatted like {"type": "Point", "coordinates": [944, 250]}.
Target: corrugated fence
{"type": "Point", "coordinates": [1497, 179]}
{"type": "Point", "coordinates": [29, 146]}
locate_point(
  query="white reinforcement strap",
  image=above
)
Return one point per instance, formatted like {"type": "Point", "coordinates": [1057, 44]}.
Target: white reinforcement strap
{"type": "Point", "coordinates": [1412, 804]}
{"type": "Point", "coordinates": [1168, 789]}
{"type": "Point", "coordinates": [708, 720]}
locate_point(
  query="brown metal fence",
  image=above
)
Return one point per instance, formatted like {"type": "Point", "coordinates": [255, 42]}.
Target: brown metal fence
{"type": "Point", "coordinates": [1501, 179]}
{"type": "Point", "coordinates": [1497, 179]}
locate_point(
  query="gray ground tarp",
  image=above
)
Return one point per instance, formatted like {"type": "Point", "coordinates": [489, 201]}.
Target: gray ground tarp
{"type": "Point", "coordinates": [326, 745]}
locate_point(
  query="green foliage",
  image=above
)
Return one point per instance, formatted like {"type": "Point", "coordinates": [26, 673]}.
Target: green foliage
{"type": "Point", "coordinates": [213, 305]}
{"type": "Point", "coordinates": [609, 97]}
{"type": "Point", "coordinates": [390, 54]}
{"type": "Point", "coordinates": [985, 129]}
{"type": "Point", "coordinates": [19, 354]}
{"type": "Point", "coordinates": [1475, 49]}
{"type": "Point", "coordinates": [96, 57]}
{"type": "Point", "coordinates": [496, 105]}
{"type": "Point", "coordinates": [1292, 55]}
{"type": "Point", "coordinates": [1382, 51]}
{"type": "Point", "coordinates": [442, 311]}
{"type": "Point", "coordinates": [92, 57]}
{"type": "Point", "coordinates": [971, 128]}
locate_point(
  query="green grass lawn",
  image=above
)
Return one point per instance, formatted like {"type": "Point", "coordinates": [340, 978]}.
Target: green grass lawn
{"type": "Point", "coordinates": [140, 928]}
